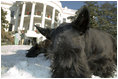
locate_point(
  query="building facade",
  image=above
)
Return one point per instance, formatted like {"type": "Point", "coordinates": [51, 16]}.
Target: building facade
{"type": "Point", "coordinates": [23, 15]}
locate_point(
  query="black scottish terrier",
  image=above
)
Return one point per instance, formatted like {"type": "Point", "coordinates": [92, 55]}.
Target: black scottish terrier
{"type": "Point", "coordinates": [79, 51]}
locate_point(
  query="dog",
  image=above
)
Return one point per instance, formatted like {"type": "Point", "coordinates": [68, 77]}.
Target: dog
{"type": "Point", "coordinates": [38, 49]}
{"type": "Point", "coordinates": [78, 51]}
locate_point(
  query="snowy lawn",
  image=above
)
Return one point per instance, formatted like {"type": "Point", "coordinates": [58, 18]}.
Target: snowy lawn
{"type": "Point", "coordinates": [14, 64]}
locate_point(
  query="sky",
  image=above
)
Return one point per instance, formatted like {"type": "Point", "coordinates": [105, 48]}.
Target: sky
{"type": "Point", "coordinates": [72, 4]}
{"type": "Point", "coordinates": [77, 4]}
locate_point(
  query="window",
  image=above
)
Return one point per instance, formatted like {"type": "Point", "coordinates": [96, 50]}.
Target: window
{"type": "Point", "coordinates": [64, 19]}
{"type": "Point", "coordinates": [10, 27]}
{"type": "Point", "coordinates": [12, 13]}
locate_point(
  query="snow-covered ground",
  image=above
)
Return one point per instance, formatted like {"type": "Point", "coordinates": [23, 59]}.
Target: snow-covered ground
{"type": "Point", "coordinates": [14, 64]}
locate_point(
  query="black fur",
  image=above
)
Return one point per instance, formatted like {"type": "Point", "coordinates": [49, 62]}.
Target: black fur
{"type": "Point", "coordinates": [79, 51]}
{"type": "Point", "coordinates": [38, 49]}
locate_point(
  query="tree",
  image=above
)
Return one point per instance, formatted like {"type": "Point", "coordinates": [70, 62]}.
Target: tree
{"type": "Point", "coordinates": [108, 18]}
{"type": "Point", "coordinates": [5, 36]}
{"type": "Point", "coordinates": [4, 22]}
{"type": "Point", "coordinates": [103, 17]}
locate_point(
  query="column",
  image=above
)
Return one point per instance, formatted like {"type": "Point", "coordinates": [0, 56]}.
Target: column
{"type": "Point", "coordinates": [22, 16]}
{"type": "Point", "coordinates": [43, 17]}
{"type": "Point", "coordinates": [17, 17]}
{"type": "Point", "coordinates": [61, 18]}
{"type": "Point", "coordinates": [53, 18]}
{"type": "Point", "coordinates": [58, 19]}
{"type": "Point", "coordinates": [32, 17]}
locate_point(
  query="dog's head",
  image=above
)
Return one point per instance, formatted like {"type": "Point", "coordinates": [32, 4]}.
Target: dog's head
{"type": "Point", "coordinates": [68, 37]}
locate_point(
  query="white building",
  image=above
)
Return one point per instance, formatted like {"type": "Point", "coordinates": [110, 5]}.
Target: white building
{"type": "Point", "coordinates": [23, 15]}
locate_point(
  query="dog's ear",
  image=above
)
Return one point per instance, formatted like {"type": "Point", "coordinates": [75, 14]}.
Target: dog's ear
{"type": "Point", "coordinates": [45, 31]}
{"type": "Point", "coordinates": [82, 21]}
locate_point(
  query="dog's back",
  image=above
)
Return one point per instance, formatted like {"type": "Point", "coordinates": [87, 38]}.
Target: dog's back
{"type": "Point", "coordinates": [101, 52]}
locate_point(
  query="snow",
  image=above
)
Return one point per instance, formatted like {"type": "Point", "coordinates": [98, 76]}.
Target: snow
{"type": "Point", "coordinates": [14, 64]}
